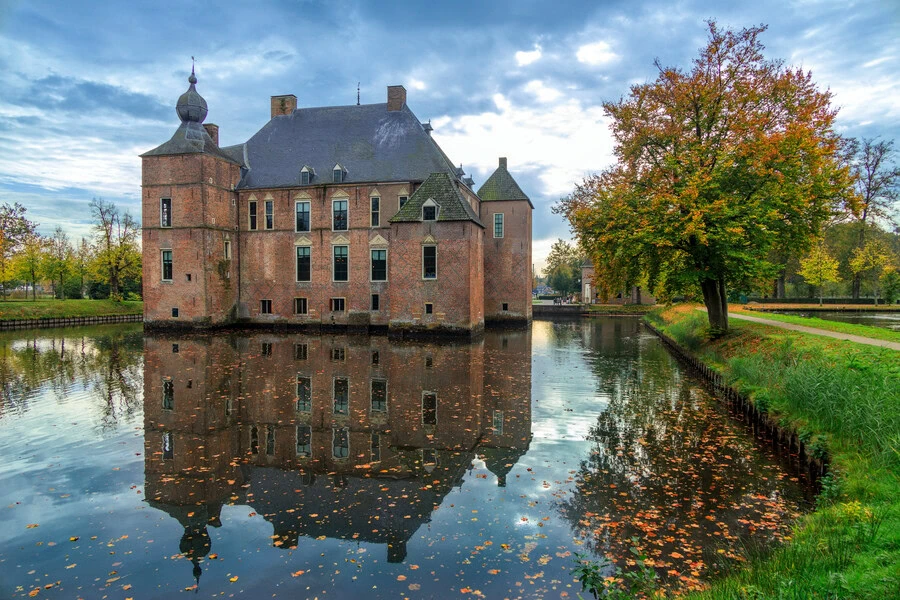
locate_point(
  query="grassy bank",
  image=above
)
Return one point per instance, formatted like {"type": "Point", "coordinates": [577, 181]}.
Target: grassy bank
{"type": "Point", "coordinates": [25, 309]}
{"type": "Point", "coordinates": [844, 400]}
{"type": "Point", "coordinates": [619, 309]}
{"type": "Point", "coordinates": [878, 333]}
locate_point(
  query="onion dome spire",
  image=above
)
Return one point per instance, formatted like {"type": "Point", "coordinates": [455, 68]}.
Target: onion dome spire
{"type": "Point", "coordinates": [191, 106]}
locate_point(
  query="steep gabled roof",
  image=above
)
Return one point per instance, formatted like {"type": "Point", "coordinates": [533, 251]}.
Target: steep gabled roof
{"type": "Point", "coordinates": [501, 186]}
{"type": "Point", "coordinates": [440, 188]}
{"type": "Point", "coordinates": [371, 142]}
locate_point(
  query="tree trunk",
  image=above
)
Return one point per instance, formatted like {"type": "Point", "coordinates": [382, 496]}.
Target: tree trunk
{"type": "Point", "coordinates": [716, 304]}
{"type": "Point", "coordinates": [779, 286]}
{"type": "Point", "coordinates": [637, 295]}
{"type": "Point", "coordinates": [854, 291]}
{"type": "Point", "coordinates": [821, 293]}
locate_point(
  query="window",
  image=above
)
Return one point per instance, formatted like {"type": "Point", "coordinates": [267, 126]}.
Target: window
{"type": "Point", "coordinates": [174, 312]}
{"type": "Point", "coordinates": [429, 262]}
{"type": "Point", "coordinates": [304, 263]}
{"type": "Point", "coordinates": [304, 441]}
{"type": "Point", "coordinates": [429, 361]}
{"type": "Point", "coordinates": [305, 176]}
{"type": "Point", "coordinates": [270, 214]}
{"type": "Point", "coordinates": [301, 351]}
{"type": "Point", "coordinates": [505, 306]}
{"type": "Point", "coordinates": [403, 200]}
{"type": "Point", "coordinates": [301, 306]}
{"type": "Point", "coordinates": [498, 422]}
{"type": "Point", "coordinates": [376, 447]}
{"type": "Point", "coordinates": [168, 445]}
{"type": "Point", "coordinates": [168, 401]}
{"type": "Point", "coordinates": [265, 307]}
{"type": "Point", "coordinates": [429, 308]}
{"type": "Point", "coordinates": [174, 348]}
{"type": "Point", "coordinates": [254, 440]}
{"type": "Point", "coordinates": [379, 395]}
{"type": "Point", "coordinates": [337, 305]}
{"type": "Point", "coordinates": [265, 349]}
{"type": "Point", "coordinates": [165, 212]}
{"type": "Point", "coordinates": [340, 442]}
{"type": "Point", "coordinates": [376, 302]}
{"type": "Point", "coordinates": [498, 225]}
{"type": "Point", "coordinates": [340, 272]}
{"type": "Point", "coordinates": [302, 213]}
{"type": "Point", "coordinates": [337, 175]}
{"type": "Point", "coordinates": [339, 215]}
{"type": "Point", "coordinates": [167, 265]}
{"type": "Point", "coordinates": [270, 440]}
{"type": "Point", "coordinates": [252, 215]}
{"type": "Point", "coordinates": [304, 394]}
{"type": "Point", "coordinates": [341, 396]}
{"type": "Point", "coordinates": [379, 265]}
{"type": "Point", "coordinates": [429, 408]}
{"type": "Point", "coordinates": [227, 250]}
{"type": "Point", "coordinates": [376, 357]}
{"type": "Point", "coordinates": [338, 354]}
{"type": "Point", "coordinates": [429, 213]}
{"type": "Point", "coordinates": [187, 277]}
{"type": "Point", "coordinates": [376, 211]}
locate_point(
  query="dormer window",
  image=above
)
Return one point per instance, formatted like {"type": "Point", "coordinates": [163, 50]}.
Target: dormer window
{"type": "Point", "coordinates": [306, 175]}
{"type": "Point", "coordinates": [429, 210]}
{"type": "Point", "coordinates": [338, 174]}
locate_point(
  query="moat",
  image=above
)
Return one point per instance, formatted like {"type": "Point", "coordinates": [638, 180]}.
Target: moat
{"type": "Point", "coordinates": [261, 465]}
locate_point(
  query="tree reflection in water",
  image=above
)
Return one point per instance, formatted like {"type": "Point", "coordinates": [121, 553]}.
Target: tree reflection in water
{"type": "Point", "coordinates": [670, 467]}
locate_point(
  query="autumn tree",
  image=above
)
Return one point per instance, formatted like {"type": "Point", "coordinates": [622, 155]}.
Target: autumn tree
{"type": "Point", "coordinates": [81, 262]}
{"type": "Point", "coordinates": [563, 270]}
{"type": "Point", "coordinates": [28, 261]}
{"type": "Point", "coordinates": [819, 268]}
{"type": "Point", "coordinates": [877, 186]}
{"type": "Point", "coordinates": [14, 229]}
{"type": "Point", "coordinates": [58, 260]}
{"type": "Point", "coordinates": [117, 255]}
{"type": "Point", "coordinates": [869, 262]}
{"type": "Point", "coordinates": [716, 167]}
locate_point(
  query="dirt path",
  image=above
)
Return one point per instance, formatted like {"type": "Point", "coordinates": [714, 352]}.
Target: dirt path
{"type": "Point", "coordinates": [813, 330]}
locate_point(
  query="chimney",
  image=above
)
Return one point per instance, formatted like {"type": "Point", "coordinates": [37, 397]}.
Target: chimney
{"type": "Point", "coordinates": [283, 105]}
{"type": "Point", "coordinates": [503, 161]}
{"type": "Point", "coordinates": [396, 97]}
{"type": "Point", "coordinates": [213, 130]}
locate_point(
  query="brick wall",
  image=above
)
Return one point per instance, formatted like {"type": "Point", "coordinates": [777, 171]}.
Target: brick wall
{"type": "Point", "coordinates": [507, 261]}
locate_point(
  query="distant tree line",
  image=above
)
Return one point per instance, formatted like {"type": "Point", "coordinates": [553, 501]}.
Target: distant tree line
{"type": "Point", "coordinates": [106, 265]}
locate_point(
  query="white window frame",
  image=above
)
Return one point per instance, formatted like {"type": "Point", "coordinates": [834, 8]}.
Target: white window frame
{"type": "Point", "coordinates": [309, 175]}
{"type": "Point", "coordinates": [340, 199]}
{"type": "Point", "coordinates": [297, 264]}
{"type": "Point", "coordinates": [429, 204]}
{"type": "Point", "coordinates": [306, 305]}
{"type": "Point", "coordinates": [226, 250]}
{"type": "Point", "coordinates": [422, 406]}
{"type": "Point", "coordinates": [308, 212]}
{"type": "Point", "coordinates": [251, 215]}
{"type": "Point", "coordinates": [162, 223]}
{"type": "Point", "coordinates": [502, 225]}
{"type": "Point", "coordinates": [385, 250]}
{"type": "Point", "coordinates": [334, 381]}
{"type": "Point", "coordinates": [334, 264]}
{"type": "Point", "coordinates": [343, 172]}
{"type": "Point", "coordinates": [371, 394]}
{"type": "Point", "coordinates": [435, 262]}
{"type": "Point", "coordinates": [331, 304]}
{"type": "Point", "coordinates": [374, 213]}
{"type": "Point", "coordinates": [266, 205]}
{"type": "Point", "coordinates": [162, 264]}
{"type": "Point", "coordinates": [297, 394]}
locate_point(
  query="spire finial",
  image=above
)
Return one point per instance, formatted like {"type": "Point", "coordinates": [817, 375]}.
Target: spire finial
{"type": "Point", "coordinates": [192, 78]}
{"type": "Point", "coordinates": [357, 93]}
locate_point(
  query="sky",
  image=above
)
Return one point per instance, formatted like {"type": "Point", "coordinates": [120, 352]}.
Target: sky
{"type": "Point", "coordinates": [89, 86]}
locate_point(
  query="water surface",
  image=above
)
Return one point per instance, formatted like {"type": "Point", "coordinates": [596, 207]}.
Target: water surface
{"type": "Point", "coordinates": [259, 465]}
{"type": "Point", "coordinates": [887, 320]}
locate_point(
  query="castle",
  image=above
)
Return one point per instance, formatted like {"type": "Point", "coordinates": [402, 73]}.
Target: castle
{"type": "Point", "coordinates": [334, 216]}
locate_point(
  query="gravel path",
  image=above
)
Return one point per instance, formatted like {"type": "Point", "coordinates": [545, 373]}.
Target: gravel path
{"type": "Point", "coordinates": [813, 330]}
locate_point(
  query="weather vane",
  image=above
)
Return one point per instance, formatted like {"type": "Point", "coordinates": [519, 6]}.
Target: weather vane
{"type": "Point", "coordinates": [357, 93]}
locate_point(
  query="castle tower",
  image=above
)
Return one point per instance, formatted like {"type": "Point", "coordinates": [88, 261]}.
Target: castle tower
{"type": "Point", "coordinates": [506, 213]}
{"type": "Point", "coordinates": [189, 223]}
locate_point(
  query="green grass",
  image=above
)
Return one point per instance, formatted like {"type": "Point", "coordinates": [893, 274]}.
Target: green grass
{"type": "Point", "coordinates": [844, 401]}
{"type": "Point", "coordinates": [26, 309]}
{"type": "Point", "coordinates": [878, 333]}
{"type": "Point", "coordinates": [619, 309]}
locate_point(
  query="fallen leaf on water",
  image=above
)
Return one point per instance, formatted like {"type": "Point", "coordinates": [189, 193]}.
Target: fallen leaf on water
{"type": "Point", "coordinates": [401, 577]}
{"type": "Point", "coordinates": [297, 573]}
{"type": "Point", "coordinates": [31, 526]}
{"type": "Point", "coordinates": [233, 579]}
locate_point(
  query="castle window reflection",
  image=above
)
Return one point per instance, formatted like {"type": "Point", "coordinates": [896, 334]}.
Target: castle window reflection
{"type": "Point", "coordinates": [376, 447]}
{"type": "Point", "coordinates": [376, 357]}
{"type": "Point", "coordinates": [338, 354]}
{"type": "Point", "coordinates": [168, 400]}
{"type": "Point", "coordinates": [340, 444]}
{"type": "Point", "coordinates": [379, 395]}
{"type": "Point", "coordinates": [304, 441]}
{"type": "Point", "coordinates": [254, 440]}
{"type": "Point", "coordinates": [167, 445]}
{"type": "Point", "coordinates": [270, 440]}
{"type": "Point", "coordinates": [498, 422]}
{"type": "Point", "coordinates": [341, 395]}
{"type": "Point", "coordinates": [301, 351]}
{"type": "Point", "coordinates": [304, 394]}
{"type": "Point", "coordinates": [429, 408]}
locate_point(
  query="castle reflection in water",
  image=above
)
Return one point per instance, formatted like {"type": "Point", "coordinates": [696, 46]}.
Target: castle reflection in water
{"type": "Point", "coordinates": [348, 437]}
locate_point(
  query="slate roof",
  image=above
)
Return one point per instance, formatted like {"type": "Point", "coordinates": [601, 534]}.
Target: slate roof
{"type": "Point", "coordinates": [370, 142]}
{"type": "Point", "coordinates": [190, 138]}
{"type": "Point", "coordinates": [442, 189]}
{"type": "Point", "coordinates": [501, 186]}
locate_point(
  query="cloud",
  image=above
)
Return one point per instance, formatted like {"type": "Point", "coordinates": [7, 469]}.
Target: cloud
{"type": "Point", "coordinates": [417, 84]}
{"type": "Point", "coordinates": [542, 92]}
{"type": "Point", "coordinates": [596, 54]}
{"type": "Point", "coordinates": [526, 57]}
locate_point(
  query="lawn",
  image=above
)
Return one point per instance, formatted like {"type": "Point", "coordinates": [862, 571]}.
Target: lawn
{"type": "Point", "coordinates": [26, 309]}
{"type": "Point", "coordinates": [843, 399]}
